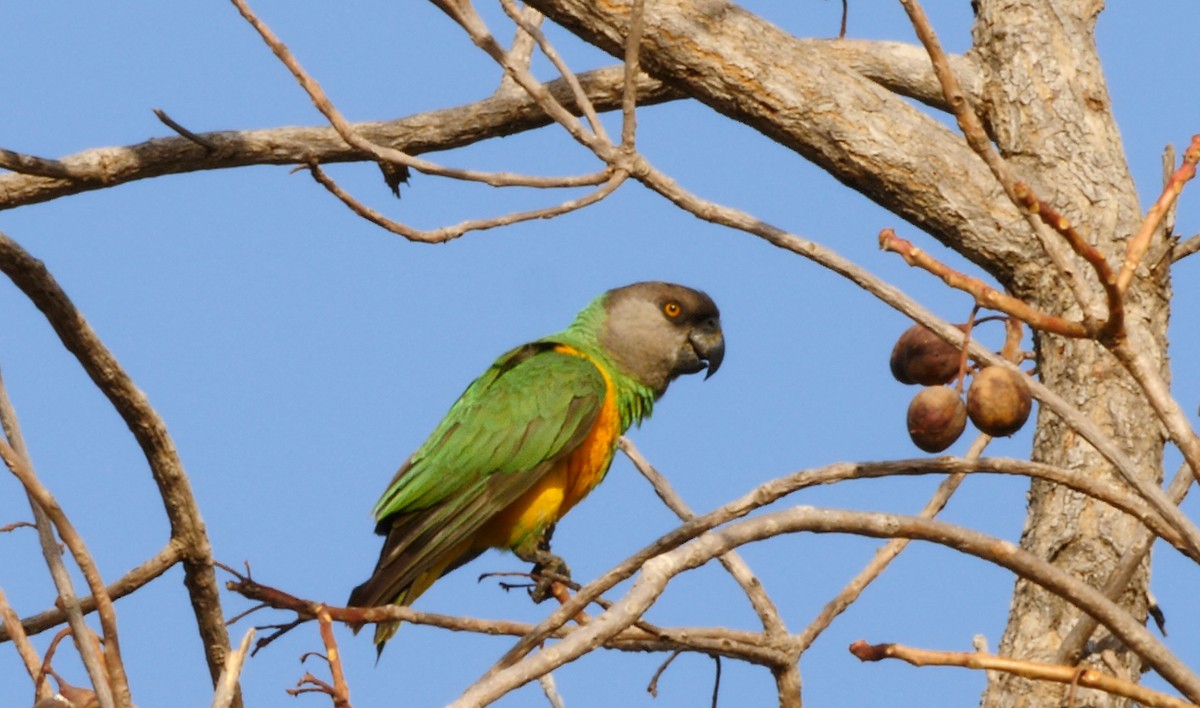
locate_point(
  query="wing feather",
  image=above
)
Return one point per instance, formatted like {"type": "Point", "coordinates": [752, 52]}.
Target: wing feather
{"type": "Point", "coordinates": [531, 408]}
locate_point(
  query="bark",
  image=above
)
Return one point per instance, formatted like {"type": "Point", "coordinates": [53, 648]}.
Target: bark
{"type": "Point", "coordinates": [1043, 97]}
{"type": "Point", "coordinates": [1047, 105]}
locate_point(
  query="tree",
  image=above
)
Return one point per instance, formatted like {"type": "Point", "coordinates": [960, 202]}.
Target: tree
{"type": "Point", "coordinates": [1040, 137]}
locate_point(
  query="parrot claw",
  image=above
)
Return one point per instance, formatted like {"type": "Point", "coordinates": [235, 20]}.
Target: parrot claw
{"type": "Point", "coordinates": [548, 569]}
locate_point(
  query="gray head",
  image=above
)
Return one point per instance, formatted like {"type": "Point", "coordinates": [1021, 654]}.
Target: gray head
{"type": "Point", "coordinates": [657, 331]}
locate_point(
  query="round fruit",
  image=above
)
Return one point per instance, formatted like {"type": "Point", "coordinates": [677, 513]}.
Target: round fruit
{"type": "Point", "coordinates": [998, 401]}
{"type": "Point", "coordinates": [922, 357]}
{"type": "Point", "coordinates": [936, 417]}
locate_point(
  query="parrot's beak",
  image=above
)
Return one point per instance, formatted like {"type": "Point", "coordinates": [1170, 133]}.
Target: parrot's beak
{"type": "Point", "coordinates": [709, 344]}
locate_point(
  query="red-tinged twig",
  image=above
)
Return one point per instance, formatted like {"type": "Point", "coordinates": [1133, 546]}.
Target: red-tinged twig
{"type": "Point", "coordinates": [448, 233]}
{"type": "Point", "coordinates": [1013, 335]}
{"type": "Point", "coordinates": [8, 528]}
{"type": "Point", "coordinates": [977, 138]}
{"type": "Point", "coordinates": [48, 657]}
{"type": "Point", "coordinates": [28, 654]}
{"type": "Point", "coordinates": [116, 678]}
{"type": "Point", "coordinates": [340, 692]}
{"type": "Point", "coordinates": [1071, 675]}
{"type": "Point", "coordinates": [984, 294]}
{"type": "Point", "coordinates": [1139, 243]}
{"type": "Point", "coordinates": [1114, 326]}
{"type": "Point", "coordinates": [964, 354]}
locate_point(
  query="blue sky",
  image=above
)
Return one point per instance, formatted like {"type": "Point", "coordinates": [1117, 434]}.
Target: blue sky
{"type": "Point", "coordinates": [298, 354]}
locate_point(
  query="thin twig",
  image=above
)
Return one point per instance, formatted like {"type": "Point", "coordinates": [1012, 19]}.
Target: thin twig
{"type": "Point", "coordinates": [29, 655]}
{"type": "Point", "coordinates": [18, 454]}
{"type": "Point", "coordinates": [984, 294]}
{"type": "Point", "coordinates": [227, 685]}
{"type": "Point", "coordinates": [539, 37]}
{"type": "Point", "coordinates": [147, 427]}
{"type": "Point", "coordinates": [38, 166]}
{"type": "Point", "coordinates": [886, 554]}
{"type": "Point", "coordinates": [449, 233]}
{"type": "Point", "coordinates": [766, 610]}
{"type": "Point", "coordinates": [349, 133]}
{"type": "Point", "coordinates": [977, 139]}
{"type": "Point", "coordinates": [637, 22]}
{"type": "Point", "coordinates": [153, 567]}
{"type": "Point", "coordinates": [200, 140]}
{"type": "Point", "coordinates": [1139, 243]}
{"type": "Point", "coordinates": [1018, 667]}
{"type": "Point", "coordinates": [115, 677]}
{"type": "Point", "coordinates": [341, 692]}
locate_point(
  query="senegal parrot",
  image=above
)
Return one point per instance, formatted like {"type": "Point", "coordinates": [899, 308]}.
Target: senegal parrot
{"type": "Point", "coordinates": [533, 435]}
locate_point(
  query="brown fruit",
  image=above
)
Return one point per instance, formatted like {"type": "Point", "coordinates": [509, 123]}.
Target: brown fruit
{"type": "Point", "coordinates": [936, 417]}
{"type": "Point", "coordinates": [921, 357]}
{"type": "Point", "coordinates": [998, 401]}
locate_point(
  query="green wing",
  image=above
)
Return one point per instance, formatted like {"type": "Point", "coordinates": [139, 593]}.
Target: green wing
{"type": "Point", "coordinates": [531, 408]}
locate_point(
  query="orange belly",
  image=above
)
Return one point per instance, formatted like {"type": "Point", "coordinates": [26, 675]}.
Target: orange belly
{"type": "Point", "coordinates": [564, 486]}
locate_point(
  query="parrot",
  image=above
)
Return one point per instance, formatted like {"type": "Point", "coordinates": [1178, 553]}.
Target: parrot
{"type": "Point", "coordinates": [532, 436]}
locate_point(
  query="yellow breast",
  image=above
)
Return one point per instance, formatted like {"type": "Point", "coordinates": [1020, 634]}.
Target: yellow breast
{"type": "Point", "coordinates": [565, 485]}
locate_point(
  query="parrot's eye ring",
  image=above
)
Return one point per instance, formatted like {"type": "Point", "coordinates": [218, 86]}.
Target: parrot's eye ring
{"type": "Point", "coordinates": [671, 309]}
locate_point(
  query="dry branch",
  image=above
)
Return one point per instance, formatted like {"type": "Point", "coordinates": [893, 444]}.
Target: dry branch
{"type": "Point", "coordinates": [31, 276]}
{"type": "Point", "coordinates": [1070, 675]}
{"type": "Point", "coordinates": [658, 570]}
{"type": "Point", "coordinates": [505, 113]}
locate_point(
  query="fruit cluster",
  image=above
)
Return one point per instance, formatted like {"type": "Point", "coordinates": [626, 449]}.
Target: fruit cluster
{"type": "Point", "coordinates": [998, 400]}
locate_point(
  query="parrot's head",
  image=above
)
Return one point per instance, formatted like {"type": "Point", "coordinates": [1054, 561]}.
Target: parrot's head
{"type": "Point", "coordinates": [658, 331]}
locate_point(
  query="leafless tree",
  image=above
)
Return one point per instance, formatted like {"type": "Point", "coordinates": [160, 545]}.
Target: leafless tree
{"type": "Point", "coordinates": [1034, 190]}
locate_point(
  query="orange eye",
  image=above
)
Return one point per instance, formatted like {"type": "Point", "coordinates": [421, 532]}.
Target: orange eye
{"type": "Point", "coordinates": [671, 309]}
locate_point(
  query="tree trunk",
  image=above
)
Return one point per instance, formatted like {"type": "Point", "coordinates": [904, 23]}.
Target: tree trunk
{"type": "Point", "coordinates": [1047, 107]}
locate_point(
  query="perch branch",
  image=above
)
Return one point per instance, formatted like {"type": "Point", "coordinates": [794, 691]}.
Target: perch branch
{"type": "Point", "coordinates": [658, 570]}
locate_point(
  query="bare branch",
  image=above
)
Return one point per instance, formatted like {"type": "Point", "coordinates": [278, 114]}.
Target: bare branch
{"type": "Point", "coordinates": [1139, 243]}
{"type": "Point", "coordinates": [31, 276]}
{"type": "Point", "coordinates": [227, 686]}
{"type": "Point", "coordinates": [112, 673]}
{"type": "Point", "coordinates": [656, 572]}
{"type": "Point", "coordinates": [29, 655]}
{"type": "Point", "coordinates": [131, 581]}
{"type": "Point", "coordinates": [885, 555]}
{"type": "Point", "coordinates": [449, 233]}
{"type": "Point", "coordinates": [502, 114]}
{"type": "Point", "coordinates": [768, 614]}
{"type": "Point", "coordinates": [15, 452]}
{"type": "Point", "coordinates": [1029, 669]}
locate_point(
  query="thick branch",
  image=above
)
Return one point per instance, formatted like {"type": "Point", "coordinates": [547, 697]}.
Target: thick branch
{"type": "Point", "coordinates": [862, 134]}
{"type": "Point", "coordinates": [503, 114]}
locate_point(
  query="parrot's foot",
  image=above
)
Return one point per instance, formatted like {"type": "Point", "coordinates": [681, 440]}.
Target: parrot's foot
{"type": "Point", "coordinates": [547, 567]}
